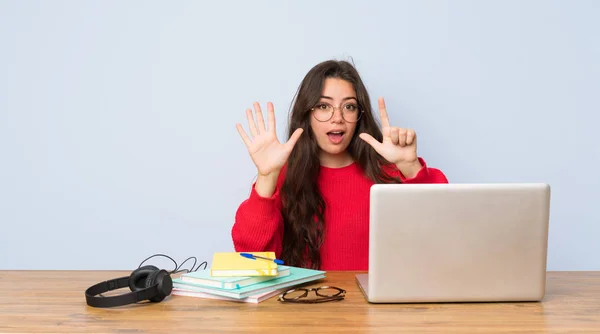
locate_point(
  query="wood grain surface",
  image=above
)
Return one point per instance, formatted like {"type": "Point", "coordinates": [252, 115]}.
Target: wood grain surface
{"type": "Point", "coordinates": [54, 302]}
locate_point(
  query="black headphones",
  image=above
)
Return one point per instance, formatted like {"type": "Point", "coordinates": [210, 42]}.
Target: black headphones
{"type": "Point", "coordinates": [145, 283]}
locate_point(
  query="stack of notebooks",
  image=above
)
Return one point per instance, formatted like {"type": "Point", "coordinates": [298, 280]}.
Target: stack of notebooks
{"type": "Point", "coordinates": [236, 278]}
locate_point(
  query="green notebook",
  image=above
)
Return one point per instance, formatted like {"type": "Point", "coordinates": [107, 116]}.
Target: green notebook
{"type": "Point", "coordinates": [204, 278]}
{"type": "Point", "coordinates": [296, 276]}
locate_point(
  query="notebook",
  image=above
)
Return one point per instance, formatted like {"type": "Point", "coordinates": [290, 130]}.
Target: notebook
{"type": "Point", "coordinates": [229, 282]}
{"type": "Point", "coordinates": [233, 264]}
{"type": "Point", "coordinates": [255, 299]}
{"type": "Point", "coordinates": [296, 276]}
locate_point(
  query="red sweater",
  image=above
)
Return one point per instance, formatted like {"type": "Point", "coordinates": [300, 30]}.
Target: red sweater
{"type": "Point", "coordinates": [259, 224]}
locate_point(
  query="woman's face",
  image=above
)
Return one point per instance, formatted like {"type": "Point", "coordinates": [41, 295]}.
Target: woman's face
{"type": "Point", "coordinates": [333, 135]}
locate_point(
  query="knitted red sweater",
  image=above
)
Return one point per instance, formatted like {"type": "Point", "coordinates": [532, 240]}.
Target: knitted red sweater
{"type": "Point", "coordinates": [259, 224]}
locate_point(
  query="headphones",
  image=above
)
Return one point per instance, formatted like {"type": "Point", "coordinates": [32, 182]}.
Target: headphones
{"type": "Point", "coordinates": [146, 283]}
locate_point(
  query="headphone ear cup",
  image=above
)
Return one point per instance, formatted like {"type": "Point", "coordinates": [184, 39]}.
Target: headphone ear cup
{"type": "Point", "coordinates": [151, 279]}
{"type": "Point", "coordinates": [164, 282]}
{"type": "Point", "coordinates": [138, 278]}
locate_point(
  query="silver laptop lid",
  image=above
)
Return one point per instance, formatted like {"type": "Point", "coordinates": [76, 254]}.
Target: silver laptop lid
{"type": "Point", "coordinates": [458, 242]}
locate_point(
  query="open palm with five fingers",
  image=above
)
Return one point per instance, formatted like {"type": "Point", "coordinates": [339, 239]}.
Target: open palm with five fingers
{"type": "Point", "coordinates": [399, 145]}
{"type": "Point", "coordinates": [268, 154]}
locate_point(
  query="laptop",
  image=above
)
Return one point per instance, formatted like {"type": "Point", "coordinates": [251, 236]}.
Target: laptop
{"type": "Point", "coordinates": [434, 243]}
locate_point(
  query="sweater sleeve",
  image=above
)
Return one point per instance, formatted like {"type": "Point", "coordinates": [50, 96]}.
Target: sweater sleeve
{"type": "Point", "coordinates": [425, 175]}
{"type": "Point", "coordinates": [258, 225]}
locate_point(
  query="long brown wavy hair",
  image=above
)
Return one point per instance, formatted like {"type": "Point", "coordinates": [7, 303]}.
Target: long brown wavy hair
{"type": "Point", "coordinates": [303, 206]}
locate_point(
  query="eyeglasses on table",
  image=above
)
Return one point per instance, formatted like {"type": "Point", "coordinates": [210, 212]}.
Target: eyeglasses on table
{"type": "Point", "coordinates": [322, 294]}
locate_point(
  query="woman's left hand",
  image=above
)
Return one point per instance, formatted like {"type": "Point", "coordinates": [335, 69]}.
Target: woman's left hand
{"type": "Point", "coordinates": [399, 145]}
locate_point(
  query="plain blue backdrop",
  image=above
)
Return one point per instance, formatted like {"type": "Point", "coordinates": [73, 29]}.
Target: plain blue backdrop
{"type": "Point", "coordinates": [117, 118]}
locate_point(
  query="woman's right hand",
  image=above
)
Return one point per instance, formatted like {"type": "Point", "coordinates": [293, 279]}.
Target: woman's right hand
{"type": "Point", "coordinates": [267, 153]}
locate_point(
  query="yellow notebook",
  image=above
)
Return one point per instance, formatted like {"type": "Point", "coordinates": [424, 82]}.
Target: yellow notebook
{"type": "Point", "coordinates": [233, 264]}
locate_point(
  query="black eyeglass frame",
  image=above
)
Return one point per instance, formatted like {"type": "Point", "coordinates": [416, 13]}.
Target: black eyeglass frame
{"type": "Point", "coordinates": [339, 295]}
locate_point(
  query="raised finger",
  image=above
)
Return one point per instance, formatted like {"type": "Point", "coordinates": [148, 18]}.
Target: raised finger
{"type": "Point", "coordinates": [385, 121]}
{"type": "Point", "coordinates": [243, 134]}
{"type": "Point", "coordinates": [371, 141]}
{"type": "Point", "coordinates": [259, 118]}
{"type": "Point", "coordinates": [251, 123]}
{"type": "Point", "coordinates": [271, 117]}
{"type": "Point", "coordinates": [294, 139]}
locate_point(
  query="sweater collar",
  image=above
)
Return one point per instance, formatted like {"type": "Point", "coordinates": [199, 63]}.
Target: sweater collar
{"type": "Point", "coordinates": [339, 171]}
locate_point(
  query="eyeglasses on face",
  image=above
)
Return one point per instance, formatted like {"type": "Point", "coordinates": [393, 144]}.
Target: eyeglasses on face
{"type": "Point", "coordinates": [323, 111]}
{"type": "Point", "coordinates": [323, 294]}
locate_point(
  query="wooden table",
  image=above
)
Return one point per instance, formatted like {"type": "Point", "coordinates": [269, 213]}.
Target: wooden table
{"type": "Point", "coordinates": [53, 301]}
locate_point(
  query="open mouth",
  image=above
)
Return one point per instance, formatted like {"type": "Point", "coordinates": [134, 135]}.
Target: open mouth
{"type": "Point", "coordinates": [335, 136]}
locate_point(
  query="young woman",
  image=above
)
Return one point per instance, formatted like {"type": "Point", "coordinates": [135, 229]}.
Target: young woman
{"type": "Point", "coordinates": [310, 202]}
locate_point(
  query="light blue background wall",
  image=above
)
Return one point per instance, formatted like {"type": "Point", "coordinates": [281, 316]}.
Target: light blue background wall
{"type": "Point", "coordinates": [117, 118]}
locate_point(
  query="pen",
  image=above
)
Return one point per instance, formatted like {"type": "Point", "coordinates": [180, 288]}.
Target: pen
{"type": "Point", "coordinates": [254, 257]}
